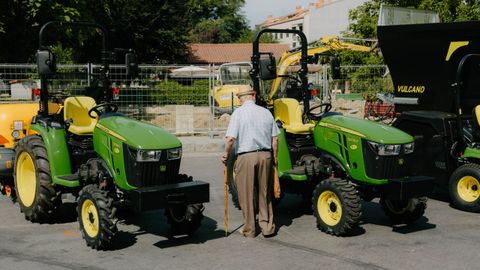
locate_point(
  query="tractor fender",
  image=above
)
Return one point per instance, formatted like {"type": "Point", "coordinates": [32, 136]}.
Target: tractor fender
{"type": "Point", "coordinates": [335, 162]}
{"type": "Point", "coordinates": [57, 151]}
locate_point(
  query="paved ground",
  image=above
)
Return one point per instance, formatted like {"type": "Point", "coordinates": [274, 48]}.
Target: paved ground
{"type": "Point", "coordinates": [445, 239]}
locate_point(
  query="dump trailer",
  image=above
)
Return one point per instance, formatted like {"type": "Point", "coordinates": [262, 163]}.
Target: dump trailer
{"type": "Point", "coordinates": [433, 68]}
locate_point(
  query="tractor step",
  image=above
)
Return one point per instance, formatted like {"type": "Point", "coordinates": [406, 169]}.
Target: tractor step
{"type": "Point", "coordinates": [69, 177]}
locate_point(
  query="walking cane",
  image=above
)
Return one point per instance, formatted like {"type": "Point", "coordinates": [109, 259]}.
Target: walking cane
{"type": "Point", "coordinates": [225, 189]}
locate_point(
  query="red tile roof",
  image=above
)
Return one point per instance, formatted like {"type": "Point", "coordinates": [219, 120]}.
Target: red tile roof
{"type": "Point", "coordinates": [208, 53]}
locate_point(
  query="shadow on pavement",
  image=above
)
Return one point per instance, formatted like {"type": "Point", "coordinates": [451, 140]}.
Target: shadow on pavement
{"type": "Point", "coordinates": [155, 223]}
{"type": "Point", "coordinates": [372, 213]}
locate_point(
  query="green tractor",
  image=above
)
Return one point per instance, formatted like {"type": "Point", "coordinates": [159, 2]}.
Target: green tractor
{"type": "Point", "coordinates": [335, 161]}
{"type": "Point", "coordinates": [105, 159]}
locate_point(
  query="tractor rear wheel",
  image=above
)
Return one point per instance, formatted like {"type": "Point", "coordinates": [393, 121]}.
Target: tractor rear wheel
{"type": "Point", "coordinates": [96, 216]}
{"type": "Point", "coordinates": [336, 206]}
{"type": "Point", "coordinates": [464, 188]}
{"type": "Point", "coordinates": [404, 211]}
{"type": "Point", "coordinates": [35, 191]}
{"type": "Point", "coordinates": [185, 219]}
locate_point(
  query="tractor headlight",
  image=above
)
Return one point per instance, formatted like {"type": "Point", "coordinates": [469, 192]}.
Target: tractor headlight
{"type": "Point", "coordinates": [148, 155]}
{"type": "Point", "coordinates": [385, 149]}
{"type": "Point", "coordinates": [174, 153]}
{"type": "Point", "coordinates": [409, 147]}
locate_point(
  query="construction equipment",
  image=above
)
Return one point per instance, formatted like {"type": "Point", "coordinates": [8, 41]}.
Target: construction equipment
{"type": "Point", "coordinates": [234, 74]}
{"type": "Point", "coordinates": [101, 157]}
{"type": "Point", "coordinates": [435, 77]}
{"type": "Point", "coordinates": [334, 161]}
{"type": "Point", "coordinates": [15, 121]}
{"type": "Point", "coordinates": [231, 76]}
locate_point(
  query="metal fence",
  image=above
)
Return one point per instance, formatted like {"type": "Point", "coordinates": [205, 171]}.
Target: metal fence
{"type": "Point", "coordinates": [176, 98]}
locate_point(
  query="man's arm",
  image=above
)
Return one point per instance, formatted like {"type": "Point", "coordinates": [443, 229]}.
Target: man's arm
{"type": "Point", "coordinates": [275, 148]}
{"type": "Point", "coordinates": [228, 148]}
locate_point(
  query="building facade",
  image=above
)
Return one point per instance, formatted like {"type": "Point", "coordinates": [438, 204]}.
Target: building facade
{"type": "Point", "coordinates": [323, 18]}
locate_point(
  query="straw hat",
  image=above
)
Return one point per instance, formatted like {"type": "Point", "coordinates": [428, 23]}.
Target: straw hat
{"type": "Point", "coordinates": [244, 90]}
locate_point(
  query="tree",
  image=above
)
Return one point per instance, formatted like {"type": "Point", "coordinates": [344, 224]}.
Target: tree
{"type": "Point", "coordinates": [248, 36]}
{"type": "Point", "coordinates": [364, 18]}
{"type": "Point", "coordinates": [21, 20]}
{"type": "Point", "coordinates": [158, 30]}
{"type": "Point", "coordinates": [220, 21]}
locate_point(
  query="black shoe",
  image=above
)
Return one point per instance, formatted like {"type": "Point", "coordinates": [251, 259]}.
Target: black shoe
{"type": "Point", "coordinates": [269, 235]}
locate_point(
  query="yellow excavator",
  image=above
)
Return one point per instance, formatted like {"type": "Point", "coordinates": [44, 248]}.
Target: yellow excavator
{"type": "Point", "coordinates": [232, 75]}
{"type": "Point", "coordinates": [325, 45]}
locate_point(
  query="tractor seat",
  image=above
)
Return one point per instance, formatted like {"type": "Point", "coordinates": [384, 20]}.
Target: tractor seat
{"type": "Point", "coordinates": [476, 124]}
{"type": "Point", "coordinates": [76, 112]}
{"type": "Point", "coordinates": [289, 112]}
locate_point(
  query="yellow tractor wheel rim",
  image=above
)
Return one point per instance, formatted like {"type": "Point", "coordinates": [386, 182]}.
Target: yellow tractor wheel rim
{"type": "Point", "coordinates": [26, 179]}
{"type": "Point", "coordinates": [468, 188]}
{"type": "Point", "coordinates": [90, 218]}
{"type": "Point", "coordinates": [329, 208]}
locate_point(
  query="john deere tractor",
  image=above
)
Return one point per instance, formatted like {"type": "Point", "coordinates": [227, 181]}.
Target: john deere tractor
{"type": "Point", "coordinates": [335, 161]}
{"type": "Point", "coordinates": [107, 160]}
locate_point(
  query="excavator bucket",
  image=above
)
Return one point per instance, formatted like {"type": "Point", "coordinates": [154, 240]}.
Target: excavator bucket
{"type": "Point", "coordinates": [423, 61]}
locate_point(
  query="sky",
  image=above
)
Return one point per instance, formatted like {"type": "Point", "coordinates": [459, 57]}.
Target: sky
{"type": "Point", "coordinates": [257, 11]}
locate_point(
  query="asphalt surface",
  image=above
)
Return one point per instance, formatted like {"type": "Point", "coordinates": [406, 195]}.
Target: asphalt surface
{"type": "Point", "coordinates": [444, 239]}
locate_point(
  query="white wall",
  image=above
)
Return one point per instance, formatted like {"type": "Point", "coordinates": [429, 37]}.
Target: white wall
{"type": "Point", "coordinates": [331, 19]}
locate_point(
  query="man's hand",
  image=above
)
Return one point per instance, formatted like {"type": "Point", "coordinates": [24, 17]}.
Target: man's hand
{"type": "Point", "coordinates": [224, 158]}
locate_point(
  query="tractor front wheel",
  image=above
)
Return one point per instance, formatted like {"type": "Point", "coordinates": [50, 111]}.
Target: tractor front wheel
{"type": "Point", "coordinates": [336, 206]}
{"type": "Point", "coordinates": [404, 211]}
{"type": "Point", "coordinates": [96, 216]}
{"type": "Point", "coordinates": [464, 188]}
{"type": "Point", "coordinates": [34, 189]}
{"type": "Point", "coordinates": [185, 219]}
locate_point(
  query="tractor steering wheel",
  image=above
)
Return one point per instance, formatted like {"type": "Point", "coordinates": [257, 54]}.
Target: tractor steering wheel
{"type": "Point", "coordinates": [107, 107]}
{"type": "Point", "coordinates": [317, 116]}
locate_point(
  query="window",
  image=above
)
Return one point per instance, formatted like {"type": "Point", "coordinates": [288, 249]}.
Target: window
{"type": "Point", "coordinates": [287, 34]}
{"type": "Point", "coordinates": [300, 27]}
{"type": "Point", "coordinates": [294, 28]}
{"type": "Point", "coordinates": [275, 35]}
{"type": "Point", "coordinates": [281, 35]}
{"type": "Point", "coordinates": [294, 44]}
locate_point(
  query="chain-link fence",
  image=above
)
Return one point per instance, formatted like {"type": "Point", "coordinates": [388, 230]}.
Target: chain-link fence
{"type": "Point", "coordinates": [177, 98]}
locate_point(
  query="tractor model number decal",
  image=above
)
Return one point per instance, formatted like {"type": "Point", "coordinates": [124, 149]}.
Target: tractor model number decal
{"type": "Point", "coordinates": [419, 89]}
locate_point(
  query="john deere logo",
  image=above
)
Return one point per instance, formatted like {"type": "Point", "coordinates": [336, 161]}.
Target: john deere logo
{"type": "Point", "coordinates": [353, 146]}
{"type": "Point", "coordinates": [400, 161]}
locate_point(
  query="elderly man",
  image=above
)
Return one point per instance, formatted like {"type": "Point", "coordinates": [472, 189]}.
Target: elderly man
{"type": "Point", "coordinates": [254, 130]}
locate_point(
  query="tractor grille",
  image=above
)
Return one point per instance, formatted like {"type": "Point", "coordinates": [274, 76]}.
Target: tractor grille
{"type": "Point", "coordinates": [385, 167]}
{"type": "Point", "coordinates": [150, 174]}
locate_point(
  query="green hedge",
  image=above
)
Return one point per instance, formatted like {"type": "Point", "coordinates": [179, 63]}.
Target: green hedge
{"type": "Point", "coordinates": [172, 92]}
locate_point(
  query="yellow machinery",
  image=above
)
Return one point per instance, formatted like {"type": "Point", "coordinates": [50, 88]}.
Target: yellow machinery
{"type": "Point", "coordinates": [324, 45]}
{"type": "Point", "coordinates": [231, 76]}
{"type": "Point", "coordinates": [234, 74]}
{"type": "Point", "coordinates": [15, 119]}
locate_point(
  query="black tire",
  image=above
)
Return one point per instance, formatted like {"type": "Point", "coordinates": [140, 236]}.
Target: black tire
{"type": "Point", "coordinates": [101, 217]}
{"type": "Point", "coordinates": [185, 219]}
{"type": "Point", "coordinates": [405, 211]}
{"type": "Point", "coordinates": [331, 194]}
{"type": "Point", "coordinates": [465, 196]}
{"type": "Point", "coordinates": [46, 197]}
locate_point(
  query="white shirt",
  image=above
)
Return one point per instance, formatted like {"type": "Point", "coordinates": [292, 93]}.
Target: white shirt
{"type": "Point", "coordinates": [253, 127]}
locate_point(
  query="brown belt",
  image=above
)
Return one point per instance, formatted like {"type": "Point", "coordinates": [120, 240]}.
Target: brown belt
{"type": "Point", "coordinates": [258, 150]}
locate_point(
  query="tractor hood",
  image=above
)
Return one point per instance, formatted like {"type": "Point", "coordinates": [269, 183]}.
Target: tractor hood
{"type": "Point", "coordinates": [368, 130]}
{"type": "Point", "coordinates": [138, 134]}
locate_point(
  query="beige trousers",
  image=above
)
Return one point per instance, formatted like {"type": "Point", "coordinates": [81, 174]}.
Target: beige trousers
{"type": "Point", "coordinates": [255, 169]}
